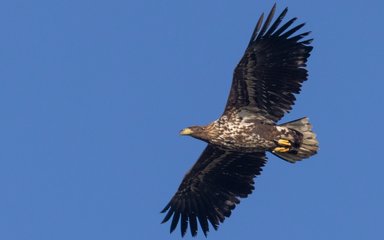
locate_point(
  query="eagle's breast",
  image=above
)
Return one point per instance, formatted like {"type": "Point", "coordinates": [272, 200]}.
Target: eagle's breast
{"type": "Point", "coordinates": [242, 131]}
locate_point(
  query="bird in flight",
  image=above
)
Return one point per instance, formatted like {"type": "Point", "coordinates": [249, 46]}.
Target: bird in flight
{"type": "Point", "coordinates": [263, 89]}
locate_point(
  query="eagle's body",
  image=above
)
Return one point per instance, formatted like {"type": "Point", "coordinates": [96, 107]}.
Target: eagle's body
{"type": "Point", "coordinates": [243, 130]}
{"type": "Point", "coordinates": [263, 89]}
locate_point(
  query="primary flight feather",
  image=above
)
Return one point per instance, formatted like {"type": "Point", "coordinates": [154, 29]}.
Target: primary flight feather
{"type": "Point", "coordinates": [263, 89]}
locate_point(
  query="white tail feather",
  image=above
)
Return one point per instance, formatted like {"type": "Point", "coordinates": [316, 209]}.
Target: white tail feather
{"type": "Point", "coordinates": [309, 145]}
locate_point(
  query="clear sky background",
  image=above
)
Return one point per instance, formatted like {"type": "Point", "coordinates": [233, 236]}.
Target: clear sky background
{"type": "Point", "coordinates": [93, 95]}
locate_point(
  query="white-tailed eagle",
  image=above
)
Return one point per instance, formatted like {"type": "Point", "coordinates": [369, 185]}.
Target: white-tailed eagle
{"type": "Point", "coordinates": [263, 89]}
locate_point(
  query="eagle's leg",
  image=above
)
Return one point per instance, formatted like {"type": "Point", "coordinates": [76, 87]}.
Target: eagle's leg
{"type": "Point", "coordinates": [284, 142]}
{"type": "Point", "coordinates": [281, 149]}
{"type": "Point", "coordinates": [283, 146]}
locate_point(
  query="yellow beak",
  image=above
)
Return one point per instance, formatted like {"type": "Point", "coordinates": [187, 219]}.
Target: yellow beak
{"type": "Point", "coordinates": [186, 131]}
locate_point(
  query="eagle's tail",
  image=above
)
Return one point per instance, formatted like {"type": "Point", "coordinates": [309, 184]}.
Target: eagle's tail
{"type": "Point", "coordinates": [307, 145]}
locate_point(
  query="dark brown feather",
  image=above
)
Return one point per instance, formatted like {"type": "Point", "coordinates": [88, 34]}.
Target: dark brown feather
{"type": "Point", "coordinates": [212, 188]}
{"type": "Point", "coordinates": [271, 70]}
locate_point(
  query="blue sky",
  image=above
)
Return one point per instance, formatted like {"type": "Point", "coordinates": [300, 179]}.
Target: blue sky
{"type": "Point", "coordinates": [94, 93]}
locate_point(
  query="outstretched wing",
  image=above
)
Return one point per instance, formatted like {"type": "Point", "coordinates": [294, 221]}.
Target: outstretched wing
{"type": "Point", "coordinates": [272, 68]}
{"type": "Point", "coordinates": [212, 188]}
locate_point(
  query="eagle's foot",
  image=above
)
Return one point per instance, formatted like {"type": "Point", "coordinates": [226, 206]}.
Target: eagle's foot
{"type": "Point", "coordinates": [281, 149]}
{"type": "Point", "coordinates": [284, 142]}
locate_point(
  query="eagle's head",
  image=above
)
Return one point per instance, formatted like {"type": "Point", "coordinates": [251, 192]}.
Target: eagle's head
{"type": "Point", "coordinates": [199, 132]}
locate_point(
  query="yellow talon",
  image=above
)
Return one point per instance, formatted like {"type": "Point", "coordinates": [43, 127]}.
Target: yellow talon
{"type": "Point", "coordinates": [283, 142]}
{"type": "Point", "coordinates": [281, 149]}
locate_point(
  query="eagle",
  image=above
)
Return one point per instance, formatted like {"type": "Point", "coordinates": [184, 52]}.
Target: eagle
{"type": "Point", "coordinates": [263, 89]}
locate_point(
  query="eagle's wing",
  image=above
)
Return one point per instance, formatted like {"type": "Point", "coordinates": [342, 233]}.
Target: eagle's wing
{"type": "Point", "coordinates": [212, 188]}
{"type": "Point", "coordinates": [272, 68]}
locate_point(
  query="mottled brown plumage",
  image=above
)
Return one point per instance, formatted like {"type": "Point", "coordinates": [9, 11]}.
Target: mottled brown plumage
{"type": "Point", "coordinates": [263, 87]}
